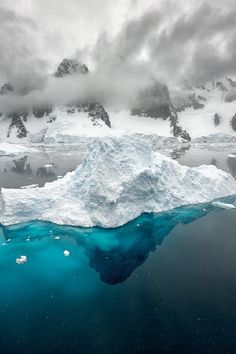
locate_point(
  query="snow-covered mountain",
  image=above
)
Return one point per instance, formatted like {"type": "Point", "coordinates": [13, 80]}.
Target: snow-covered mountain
{"type": "Point", "coordinates": [186, 113]}
{"type": "Point", "coordinates": [208, 109]}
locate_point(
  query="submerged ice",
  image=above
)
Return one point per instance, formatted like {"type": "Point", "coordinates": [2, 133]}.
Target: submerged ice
{"type": "Point", "coordinates": [113, 253]}
{"type": "Point", "coordinates": [119, 179]}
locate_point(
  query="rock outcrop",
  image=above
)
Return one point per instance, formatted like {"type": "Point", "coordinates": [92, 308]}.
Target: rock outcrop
{"type": "Point", "coordinates": [69, 67]}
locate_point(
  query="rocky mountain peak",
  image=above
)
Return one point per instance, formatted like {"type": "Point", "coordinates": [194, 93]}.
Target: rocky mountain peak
{"type": "Point", "coordinates": [70, 66]}
{"type": "Point", "coordinates": [6, 88]}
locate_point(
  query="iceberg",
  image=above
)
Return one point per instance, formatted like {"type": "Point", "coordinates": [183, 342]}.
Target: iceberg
{"type": "Point", "coordinates": [119, 179]}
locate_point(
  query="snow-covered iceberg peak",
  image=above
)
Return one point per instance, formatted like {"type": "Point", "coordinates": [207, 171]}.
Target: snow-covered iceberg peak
{"type": "Point", "coordinates": [120, 178]}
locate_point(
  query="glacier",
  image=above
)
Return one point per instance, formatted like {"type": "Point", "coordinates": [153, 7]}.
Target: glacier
{"type": "Point", "coordinates": [119, 179]}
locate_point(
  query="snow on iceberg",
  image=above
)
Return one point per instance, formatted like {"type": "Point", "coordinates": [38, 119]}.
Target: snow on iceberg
{"type": "Point", "coordinates": [119, 179]}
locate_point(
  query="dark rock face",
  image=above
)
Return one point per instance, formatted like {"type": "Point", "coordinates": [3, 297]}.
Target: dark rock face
{"type": "Point", "coordinates": [231, 82]}
{"type": "Point", "coordinates": [233, 123]}
{"type": "Point", "coordinates": [196, 102]}
{"type": "Point", "coordinates": [98, 113]}
{"type": "Point", "coordinates": [177, 130]}
{"type": "Point", "coordinates": [192, 100]}
{"type": "Point", "coordinates": [41, 112]}
{"type": "Point", "coordinates": [231, 96]}
{"type": "Point", "coordinates": [95, 110]}
{"type": "Point", "coordinates": [153, 102]}
{"type": "Point", "coordinates": [70, 66]}
{"type": "Point", "coordinates": [6, 88]}
{"type": "Point", "coordinates": [51, 118]}
{"type": "Point", "coordinates": [221, 86]}
{"type": "Point", "coordinates": [17, 120]}
{"type": "Point", "coordinates": [217, 119]}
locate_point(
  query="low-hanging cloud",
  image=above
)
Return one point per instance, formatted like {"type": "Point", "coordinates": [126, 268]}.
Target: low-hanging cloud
{"type": "Point", "coordinates": [20, 62]}
{"type": "Point", "coordinates": [170, 42]}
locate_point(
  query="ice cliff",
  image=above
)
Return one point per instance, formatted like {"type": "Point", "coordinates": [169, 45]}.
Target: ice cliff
{"type": "Point", "coordinates": [119, 179]}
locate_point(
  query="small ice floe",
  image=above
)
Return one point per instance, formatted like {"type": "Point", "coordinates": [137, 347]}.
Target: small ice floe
{"type": "Point", "coordinates": [223, 205]}
{"type": "Point", "coordinates": [66, 253]}
{"type": "Point", "coordinates": [21, 260]}
{"type": "Point", "coordinates": [232, 156]}
{"type": "Point", "coordinates": [28, 239]}
{"type": "Point", "coordinates": [31, 186]}
{"type": "Point", "coordinates": [57, 238]}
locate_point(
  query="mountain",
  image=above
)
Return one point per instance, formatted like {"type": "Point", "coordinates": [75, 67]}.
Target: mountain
{"type": "Point", "coordinates": [23, 123]}
{"type": "Point", "coordinates": [155, 102]}
{"type": "Point", "coordinates": [186, 112]}
{"type": "Point", "coordinates": [208, 109]}
{"type": "Point", "coordinates": [70, 66]}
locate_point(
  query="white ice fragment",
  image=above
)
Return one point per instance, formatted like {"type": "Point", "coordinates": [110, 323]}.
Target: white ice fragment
{"type": "Point", "coordinates": [66, 253]}
{"type": "Point", "coordinates": [7, 149]}
{"type": "Point", "coordinates": [57, 238]}
{"type": "Point", "coordinates": [21, 260]}
{"type": "Point", "coordinates": [223, 205]}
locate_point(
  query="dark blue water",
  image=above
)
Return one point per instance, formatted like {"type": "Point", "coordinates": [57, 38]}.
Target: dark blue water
{"type": "Point", "coordinates": [163, 283]}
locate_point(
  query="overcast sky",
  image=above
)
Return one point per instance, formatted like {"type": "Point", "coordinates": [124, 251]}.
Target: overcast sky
{"type": "Point", "coordinates": [170, 39]}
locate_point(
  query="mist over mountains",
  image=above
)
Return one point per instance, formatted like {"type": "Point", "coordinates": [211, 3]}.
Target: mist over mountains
{"type": "Point", "coordinates": [168, 42]}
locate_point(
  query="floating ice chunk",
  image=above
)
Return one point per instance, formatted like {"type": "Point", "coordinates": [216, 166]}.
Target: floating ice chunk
{"type": "Point", "coordinates": [57, 238]}
{"type": "Point", "coordinates": [7, 149]}
{"type": "Point", "coordinates": [21, 260]}
{"type": "Point", "coordinates": [119, 179]}
{"type": "Point", "coordinates": [223, 205]}
{"type": "Point", "coordinates": [66, 253]}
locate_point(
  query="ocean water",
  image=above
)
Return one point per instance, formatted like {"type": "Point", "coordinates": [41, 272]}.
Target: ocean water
{"type": "Point", "coordinates": [163, 283]}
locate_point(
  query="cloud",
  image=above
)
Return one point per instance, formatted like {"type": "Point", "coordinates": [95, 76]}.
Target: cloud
{"type": "Point", "coordinates": [126, 43]}
{"type": "Point", "coordinates": [197, 45]}
{"type": "Point", "coordinates": [20, 62]}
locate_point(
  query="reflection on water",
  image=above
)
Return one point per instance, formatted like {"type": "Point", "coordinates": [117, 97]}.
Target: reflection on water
{"type": "Point", "coordinates": [47, 165]}
{"type": "Point", "coordinates": [179, 151]}
{"type": "Point", "coordinates": [37, 167]}
{"type": "Point", "coordinates": [21, 166]}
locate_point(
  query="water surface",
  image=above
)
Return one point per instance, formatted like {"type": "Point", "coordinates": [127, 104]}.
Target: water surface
{"type": "Point", "coordinates": [162, 283]}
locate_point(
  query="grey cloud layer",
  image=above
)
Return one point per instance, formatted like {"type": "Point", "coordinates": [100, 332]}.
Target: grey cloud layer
{"type": "Point", "coordinates": [196, 41]}
{"type": "Point", "coordinates": [200, 46]}
{"type": "Point", "coordinates": [20, 61]}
